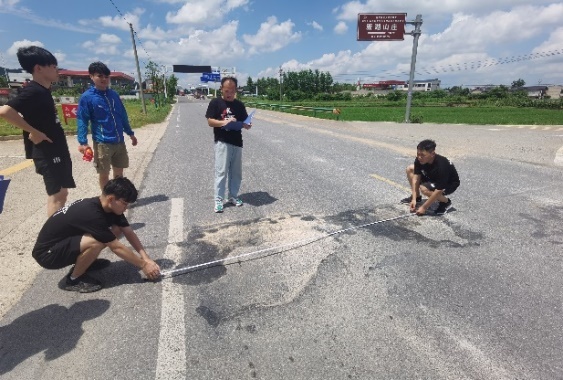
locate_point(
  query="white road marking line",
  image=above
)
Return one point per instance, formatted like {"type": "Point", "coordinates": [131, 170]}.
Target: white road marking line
{"type": "Point", "coordinates": [171, 362]}
{"type": "Point", "coordinates": [559, 157]}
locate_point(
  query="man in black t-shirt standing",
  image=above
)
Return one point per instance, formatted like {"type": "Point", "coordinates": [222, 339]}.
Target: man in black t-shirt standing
{"type": "Point", "coordinates": [77, 233]}
{"type": "Point", "coordinates": [432, 175]}
{"type": "Point", "coordinates": [43, 135]}
{"type": "Point", "coordinates": [226, 115]}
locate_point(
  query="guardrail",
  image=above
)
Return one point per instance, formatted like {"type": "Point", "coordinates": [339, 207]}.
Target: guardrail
{"type": "Point", "coordinates": [282, 107]}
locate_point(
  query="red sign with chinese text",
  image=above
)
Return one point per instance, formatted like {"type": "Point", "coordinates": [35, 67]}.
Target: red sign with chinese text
{"type": "Point", "coordinates": [69, 111]}
{"type": "Point", "coordinates": [381, 26]}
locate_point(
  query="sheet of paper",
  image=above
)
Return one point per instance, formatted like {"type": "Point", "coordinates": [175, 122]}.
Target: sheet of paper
{"type": "Point", "coordinates": [249, 118]}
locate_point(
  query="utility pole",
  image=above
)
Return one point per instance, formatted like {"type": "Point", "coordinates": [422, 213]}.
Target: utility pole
{"type": "Point", "coordinates": [138, 71]}
{"type": "Point", "coordinates": [416, 33]}
{"type": "Point", "coordinates": [281, 75]}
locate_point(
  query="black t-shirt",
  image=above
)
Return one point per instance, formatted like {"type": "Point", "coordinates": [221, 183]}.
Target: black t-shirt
{"type": "Point", "coordinates": [220, 109]}
{"type": "Point", "coordinates": [84, 216]}
{"type": "Point", "coordinates": [441, 172]}
{"type": "Point", "coordinates": [35, 104]}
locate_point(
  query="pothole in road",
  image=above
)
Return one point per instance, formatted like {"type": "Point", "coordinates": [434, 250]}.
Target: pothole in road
{"type": "Point", "coordinates": [282, 255]}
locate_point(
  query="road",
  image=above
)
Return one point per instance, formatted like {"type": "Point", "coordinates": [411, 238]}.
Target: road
{"type": "Point", "coordinates": [322, 290]}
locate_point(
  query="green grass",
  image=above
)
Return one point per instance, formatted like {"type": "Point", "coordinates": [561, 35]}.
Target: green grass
{"type": "Point", "coordinates": [447, 115]}
{"type": "Point", "coordinates": [362, 112]}
{"type": "Point", "coordinates": [134, 110]}
{"type": "Point", "coordinates": [456, 115]}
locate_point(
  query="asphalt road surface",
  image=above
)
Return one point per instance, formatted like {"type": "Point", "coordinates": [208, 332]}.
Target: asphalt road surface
{"type": "Point", "coordinates": [322, 290]}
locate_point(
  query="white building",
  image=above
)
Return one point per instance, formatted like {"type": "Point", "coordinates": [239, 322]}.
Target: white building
{"type": "Point", "coordinates": [424, 85]}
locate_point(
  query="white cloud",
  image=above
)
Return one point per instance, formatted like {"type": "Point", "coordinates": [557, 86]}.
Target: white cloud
{"type": "Point", "coordinates": [341, 62]}
{"type": "Point", "coordinates": [349, 11]}
{"type": "Point", "coordinates": [341, 28]}
{"type": "Point", "coordinates": [106, 44]}
{"type": "Point", "coordinates": [157, 33]}
{"type": "Point", "coordinates": [200, 12]}
{"type": "Point", "coordinates": [470, 46]}
{"type": "Point", "coordinates": [12, 50]}
{"type": "Point", "coordinates": [8, 3]}
{"type": "Point", "coordinates": [272, 36]}
{"type": "Point", "coordinates": [316, 25]}
{"type": "Point", "coordinates": [553, 43]}
{"type": "Point", "coordinates": [119, 22]}
{"type": "Point", "coordinates": [9, 7]}
{"type": "Point", "coordinates": [109, 39]}
{"type": "Point", "coordinates": [216, 47]}
{"type": "Point", "coordinates": [487, 39]}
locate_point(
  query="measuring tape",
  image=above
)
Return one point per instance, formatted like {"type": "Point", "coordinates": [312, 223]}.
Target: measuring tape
{"type": "Point", "coordinates": [280, 248]}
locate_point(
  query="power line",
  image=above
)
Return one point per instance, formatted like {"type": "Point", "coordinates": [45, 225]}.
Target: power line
{"type": "Point", "coordinates": [461, 66]}
{"type": "Point", "coordinates": [134, 31]}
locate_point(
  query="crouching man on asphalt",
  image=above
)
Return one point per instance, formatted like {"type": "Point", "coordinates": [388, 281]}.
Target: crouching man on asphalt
{"type": "Point", "coordinates": [77, 233]}
{"type": "Point", "coordinates": [432, 175]}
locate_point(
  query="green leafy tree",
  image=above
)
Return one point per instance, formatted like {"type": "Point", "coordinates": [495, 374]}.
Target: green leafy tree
{"type": "Point", "coordinates": [518, 83]}
{"type": "Point", "coordinates": [339, 87]}
{"type": "Point", "coordinates": [152, 72]}
{"type": "Point", "coordinates": [3, 81]}
{"type": "Point", "coordinates": [308, 82]}
{"type": "Point", "coordinates": [171, 84]}
{"type": "Point", "coordinates": [458, 91]}
{"type": "Point", "coordinates": [396, 95]}
{"type": "Point", "coordinates": [250, 85]}
{"type": "Point", "coordinates": [269, 86]}
{"type": "Point", "coordinates": [499, 92]}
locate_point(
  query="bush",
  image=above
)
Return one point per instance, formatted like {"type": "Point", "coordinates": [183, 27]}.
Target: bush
{"type": "Point", "coordinates": [416, 118]}
{"type": "Point", "coordinates": [396, 96]}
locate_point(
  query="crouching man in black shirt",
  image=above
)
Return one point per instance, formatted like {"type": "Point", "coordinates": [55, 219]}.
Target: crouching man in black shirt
{"type": "Point", "coordinates": [77, 233]}
{"type": "Point", "coordinates": [432, 175]}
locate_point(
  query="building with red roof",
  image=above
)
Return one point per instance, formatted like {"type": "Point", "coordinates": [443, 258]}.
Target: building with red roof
{"type": "Point", "coordinates": [72, 78]}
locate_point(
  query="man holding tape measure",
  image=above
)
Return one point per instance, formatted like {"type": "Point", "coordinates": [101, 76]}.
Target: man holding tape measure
{"type": "Point", "coordinates": [432, 175]}
{"type": "Point", "coordinates": [76, 234]}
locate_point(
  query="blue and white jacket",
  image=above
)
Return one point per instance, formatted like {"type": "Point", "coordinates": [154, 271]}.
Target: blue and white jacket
{"type": "Point", "coordinates": [106, 114]}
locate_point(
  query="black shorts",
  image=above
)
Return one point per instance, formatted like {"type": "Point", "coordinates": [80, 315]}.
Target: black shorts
{"type": "Point", "coordinates": [56, 175]}
{"type": "Point", "coordinates": [450, 188]}
{"type": "Point", "coordinates": [62, 254]}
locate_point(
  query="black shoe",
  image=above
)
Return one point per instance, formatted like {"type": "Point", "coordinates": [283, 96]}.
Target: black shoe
{"type": "Point", "coordinates": [83, 284]}
{"type": "Point", "coordinates": [99, 264]}
{"type": "Point", "coordinates": [443, 207]}
{"type": "Point", "coordinates": [408, 200]}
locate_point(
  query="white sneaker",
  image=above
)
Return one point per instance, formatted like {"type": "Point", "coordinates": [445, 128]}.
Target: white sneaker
{"type": "Point", "coordinates": [218, 205]}
{"type": "Point", "coordinates": [236, 201]}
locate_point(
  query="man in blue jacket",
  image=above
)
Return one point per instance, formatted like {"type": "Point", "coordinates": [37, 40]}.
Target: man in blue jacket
{"type": "Point", "coordinates": [102, 109]}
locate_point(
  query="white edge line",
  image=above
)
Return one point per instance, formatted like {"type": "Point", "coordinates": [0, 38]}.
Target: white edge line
{"type": "Point", "coordinates": [171, 361]}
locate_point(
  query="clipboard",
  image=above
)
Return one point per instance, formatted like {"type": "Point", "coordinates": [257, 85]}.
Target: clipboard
{"type": "Point", "coordinates": [249, 118]}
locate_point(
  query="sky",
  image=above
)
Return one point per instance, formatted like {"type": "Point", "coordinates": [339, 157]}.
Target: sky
{"type": "Point", "coordinates": [462, 43]}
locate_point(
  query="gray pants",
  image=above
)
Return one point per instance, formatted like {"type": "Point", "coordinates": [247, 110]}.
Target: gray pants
{"type": "Point", "coordinates": [228, 165]}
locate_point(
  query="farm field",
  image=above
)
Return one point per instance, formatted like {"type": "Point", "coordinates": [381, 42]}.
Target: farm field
{"type": "Point", "coordinates": [450, 115]}
{"type": "Point", "coordinates": [134, 111]}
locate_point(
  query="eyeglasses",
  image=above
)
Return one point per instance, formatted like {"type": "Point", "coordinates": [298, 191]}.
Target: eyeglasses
{"type": "Point", "coordinates": [123, 203]}
{"type": "Point", "coordinates": [102, 76]}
